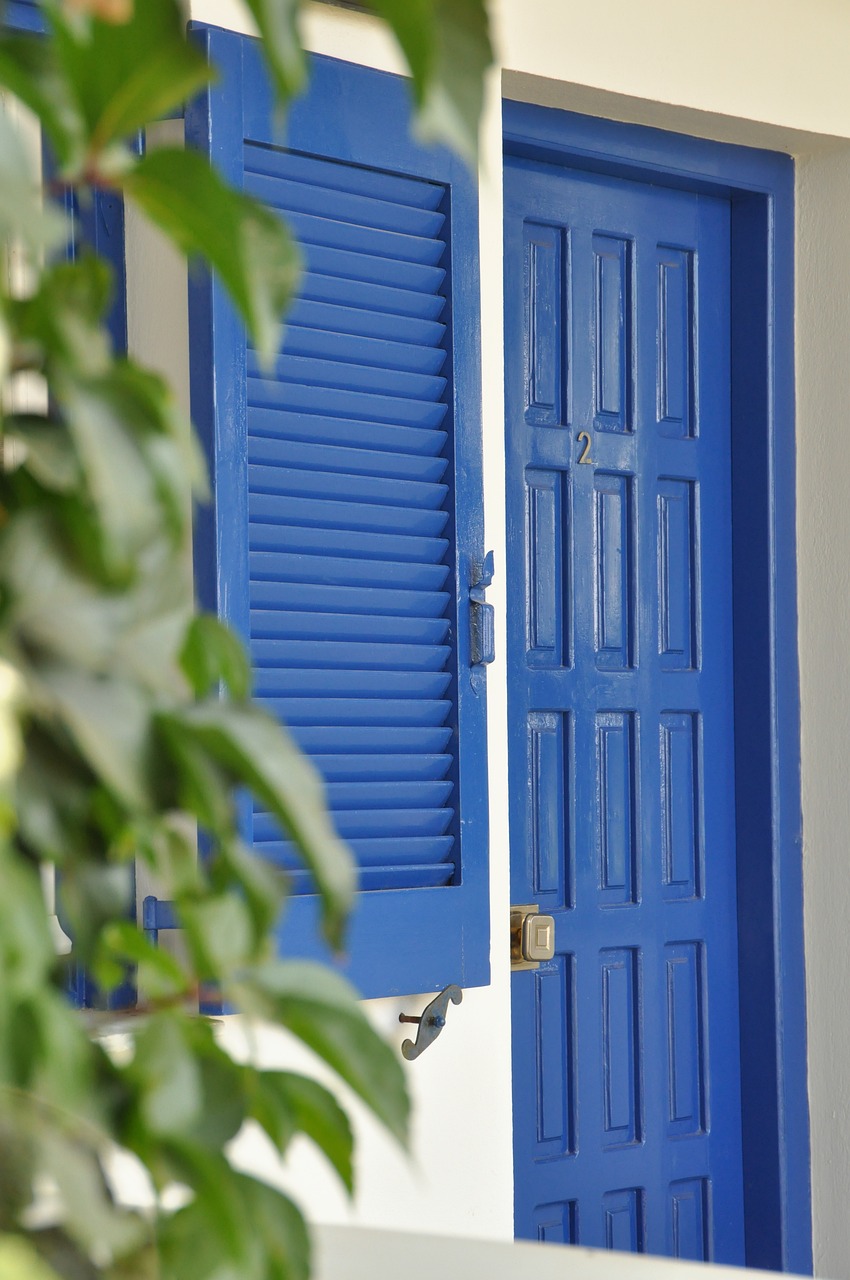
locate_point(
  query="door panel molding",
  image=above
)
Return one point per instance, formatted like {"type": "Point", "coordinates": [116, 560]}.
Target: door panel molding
{"type": "Point", "coordinates": [760, 186]}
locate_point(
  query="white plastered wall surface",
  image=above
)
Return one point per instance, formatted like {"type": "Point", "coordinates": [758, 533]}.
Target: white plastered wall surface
{"type": "Point", "coordinates": [767, 73]}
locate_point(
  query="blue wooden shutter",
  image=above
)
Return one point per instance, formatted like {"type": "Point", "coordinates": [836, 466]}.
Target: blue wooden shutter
{"type": "Point", "coordinates": [23, 15]}
{"type": "Point", "coordinates": [345, 531]}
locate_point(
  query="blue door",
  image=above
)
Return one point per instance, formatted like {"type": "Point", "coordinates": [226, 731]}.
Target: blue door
{"type": "Point", "coordinates": [625, 1046]}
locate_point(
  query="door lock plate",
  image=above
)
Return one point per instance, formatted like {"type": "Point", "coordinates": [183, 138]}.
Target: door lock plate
{"type": "Point", "coordinates": [532, 937]}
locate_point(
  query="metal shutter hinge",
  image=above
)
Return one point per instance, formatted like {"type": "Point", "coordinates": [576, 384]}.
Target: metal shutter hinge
{"type": "Point", "coordinates": [482, 617]}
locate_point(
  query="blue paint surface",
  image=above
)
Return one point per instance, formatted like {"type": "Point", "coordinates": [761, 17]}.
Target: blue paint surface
{"type": "Point", "coordinates": [23, 15]}
{"type": "Point", "coordinates": [346, 527]}
{"type": "Point", "coordinates": [638, 1090]}
{"type": "Point", "coordinates": [760, 185]}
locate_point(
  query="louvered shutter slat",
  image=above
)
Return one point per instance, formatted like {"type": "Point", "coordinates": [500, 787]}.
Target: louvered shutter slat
{"type": "Point", "coordinates": [367, 296]}
{"type": "Point", "coordinates": [390, 657]}
{"type": "Point", "coordinates": [393, 273]}
{"type": "Point", "coordinates": [351, 600]}
{"type": "Point", "coordinates": [423, 861]}
{"type": "Point", "coordinates": [388, 327]}
{"type": "Point", "coordinates": [400, 767]}
{"type": "Point", "coordinates": [319, 740]}
{"type": "Point", "coordinates": [360, 516]}
{"type": "Point", "coordinates": [312, 229]}
{"type": "Point", "coordinates": [352, 575]}
{"type": "Point", "coordinates": [288, 624]}
{"type": "Point", "coordinates": [354, 824]}
{"type": "Point", "coordinates": [373, 878]}
{"type": "Point", "coordinates": [318, 682]}
{"type": "Point", "coordinates": [274, 451]}
{"type": "Point", "coordinates": [338, 542]}
{"type": "Point", "coordinates": [338, 344]}
{"type": "Point", "coordinates": [351, 487]}
{"type": "Point", "coordinates": [285, 566]}
{"type": "Point", "coordinates": [351, 376]}
{"type": "Point", "coordinates": [342, 711]}
{"type": "Point", "coordinates": [315, 172]}
{"type": "Point", "coordinates": [366, 406]}
{"type": "Point", "coordinates": [312, 197]}
{"type": "Point", "coordinates": [315, 428]}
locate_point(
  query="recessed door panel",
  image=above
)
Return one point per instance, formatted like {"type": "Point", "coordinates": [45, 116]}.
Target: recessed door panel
{"type": "Point", "coordinates": [626, 1065]}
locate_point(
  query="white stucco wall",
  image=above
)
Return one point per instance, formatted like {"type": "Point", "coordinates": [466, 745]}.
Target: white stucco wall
{"type": "Point", "coordinates": [823, 525]}
{"type": "Point", "coordinates": [770, 73]}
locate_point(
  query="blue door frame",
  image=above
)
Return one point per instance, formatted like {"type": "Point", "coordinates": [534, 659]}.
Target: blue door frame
{"type": "Point", "coordinates": [760, 186]}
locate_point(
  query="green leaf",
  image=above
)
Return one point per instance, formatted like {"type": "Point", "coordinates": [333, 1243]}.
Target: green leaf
{"type": "Point", "coordinates": [322, 1009]}
{"type": "Point", "coordinates": [53, 795]}
{"type": "Point", "coordinates": [215, 1237]}
{"type": "Point", "coordinates": [19, 1260]}
{"type": "Point", "coordinates": [26, 948]}
{"type": "Point", "coordinates": [282, 1230]}
{"type": "Point", "coordinates": [190, 1090]}
{"type": "Point", "coordinates": [53, 607]}
{"type": "Point", "coordinates": [23, 214]}
{"type": "Point", "coordinates": [158, 973]}
{"type": "Point", "coordinates": [141, 1264]}
{"type": "Point", "coordinates": [46, 451]}
{"type": "Point", "coordinates": [220, 933]}
{"type": "Point", "coordinates": [235, 1229]}
{"type": "Point", "coordinates": [17, 1168]}
{"type": "Point", "coordinates": [225, 1105]}
{"type": "Point", "coordinates": [54, 1058]}
{"type": "Point", "coordinates": [133, 449]}
{"type": "Point", "coordinates": [258, 752]}
{"type": "Point", "coordinates": [153, 621]}
{"type": "Point", "coordinates": [123, 75]}
{"type": "Point", "coordinates": [277, 23]}
{"type": "Point", "coordinates": [135, 452]}
{"type": "Point", "coordinates": [447, 47]}
{"type": "Point", "coordinates": [413, 23]}
{"type": "Point", "coordinates": [168, 1075]}
{"type": "Point", "coordinates": [285, 1103]}
{"type": "Point", "coordinates": [28, 68]}
{"type": "Point", "coordinates": [262, 884]}
{"type": "Point", "coordinates": [109, 720]}
{"type": "Point", "coordinates": [168, 846]}
{"type": "Point", "coordinates": [92, 892]}
{"type": "Point", "coordinates": [198, 783]}
{"type": "Point", "coordinates": [64, 1254]}
{"type": "Point", "coordinates": [120, 485]}
{"type": "Point", "coordinates": [190, 1245]}
{"type": "Point", "coordinates": [90, 1215]}
{"type": "Point", "coordinates": [246, 244]}
{"type": "Point", "coordinates": [212, 653]}
{"type": "Point", "coordinates": [57, 611]}
{"type": "Point", "coordinates": [164, 436]}
{"type": "Point", "coordinates": [63, 317]}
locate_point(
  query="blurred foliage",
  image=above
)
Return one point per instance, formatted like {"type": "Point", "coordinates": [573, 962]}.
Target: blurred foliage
{"type": "Point", "coordinates": [126, 724]}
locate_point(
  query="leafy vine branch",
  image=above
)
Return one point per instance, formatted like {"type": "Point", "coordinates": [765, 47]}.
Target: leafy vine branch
{"type": "Point", "coordinates": [126, 722]}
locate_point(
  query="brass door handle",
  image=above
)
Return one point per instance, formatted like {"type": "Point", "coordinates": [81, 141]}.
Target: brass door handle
{"type": "Point", "coordinates": [532, 937]}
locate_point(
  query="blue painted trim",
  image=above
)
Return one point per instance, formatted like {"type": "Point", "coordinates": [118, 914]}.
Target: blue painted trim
{"type": "Point", "coordinates": [760, 186]}
{"type": "Point", "coordinates": [401, 941]}
{"type": "Point", "coordinates": [218, 365]}
{"type": "Point", "coordinates": [606, 146]}
{"type": "Point", "coordinates": [98, 225]}
{"type": "Point", "coordinates": [23, 15]}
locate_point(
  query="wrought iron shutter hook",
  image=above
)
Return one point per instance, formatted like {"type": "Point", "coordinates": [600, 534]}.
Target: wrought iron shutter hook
{"type": "Point", "coordinates": [431, 1022]}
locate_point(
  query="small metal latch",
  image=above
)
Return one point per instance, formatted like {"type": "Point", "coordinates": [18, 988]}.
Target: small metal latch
{"type": "Point", "coordinates": [483, 637]}
{"type": "Point", "coordinates": [431, 1021]}
{"type": "Point", "coordinates": [532, 937]}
